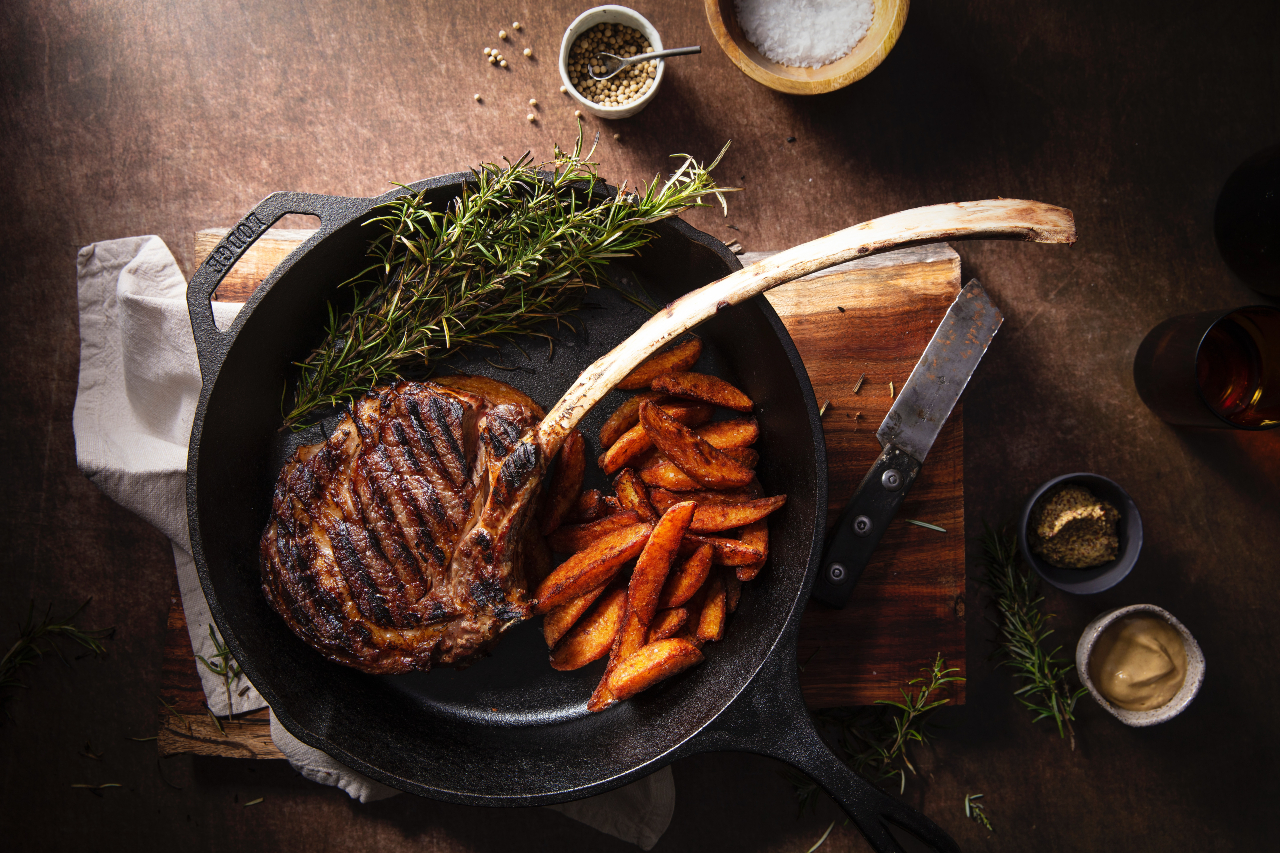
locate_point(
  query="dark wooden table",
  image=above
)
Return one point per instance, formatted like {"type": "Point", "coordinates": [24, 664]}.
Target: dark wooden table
{"type": "Point", "coordinates": [130, 118]}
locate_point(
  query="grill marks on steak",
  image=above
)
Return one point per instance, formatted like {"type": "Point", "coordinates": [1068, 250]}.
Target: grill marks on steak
{"type": "Point", "coordinates": [396, 543]}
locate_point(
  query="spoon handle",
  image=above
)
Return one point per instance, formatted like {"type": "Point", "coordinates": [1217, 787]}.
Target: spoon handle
{"type": "Point", "coordinates": [658, 54]}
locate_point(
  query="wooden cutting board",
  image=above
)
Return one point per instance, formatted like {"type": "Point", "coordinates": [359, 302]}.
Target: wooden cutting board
{"type": "Point", "coordinates": [869, 319]}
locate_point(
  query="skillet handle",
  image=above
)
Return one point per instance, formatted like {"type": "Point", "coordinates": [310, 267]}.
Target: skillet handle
{"type": "Point", "coordinates": [211, 343]}
{"type": "Point", "coordinates": [769, 718]}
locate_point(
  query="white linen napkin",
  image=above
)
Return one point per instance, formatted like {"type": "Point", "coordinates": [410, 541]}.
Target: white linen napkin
{"type": "Point", "coordinates": [136, 401]}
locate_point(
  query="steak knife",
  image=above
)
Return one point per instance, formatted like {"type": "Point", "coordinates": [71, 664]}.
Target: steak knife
{"type": "Point", "coordinates": [909, 430]}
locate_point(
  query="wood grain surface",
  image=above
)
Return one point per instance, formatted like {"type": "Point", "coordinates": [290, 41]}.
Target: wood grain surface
{"type": "Point", "coordinates": [867, 320]}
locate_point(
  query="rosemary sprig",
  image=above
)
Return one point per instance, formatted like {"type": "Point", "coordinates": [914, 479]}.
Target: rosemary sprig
{"type": "Point", "coordinates": [34, 639]}
{"type": "Point", "coordinates": [515, 252]}
{"type": "Point", "coordinates": [223, 665]}
{"type": "Point", "coordinates": [977, 812]}
{"type": "Point", "coordinates": [875, 743]}
{"type": "Point", "coordinates": [1024, 633]}
{"type": "Point", "coordinates": [874, 739]}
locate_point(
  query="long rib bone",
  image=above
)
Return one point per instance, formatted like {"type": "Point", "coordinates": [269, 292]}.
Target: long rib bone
{"type": "Point", "coordinates": [998, 218]}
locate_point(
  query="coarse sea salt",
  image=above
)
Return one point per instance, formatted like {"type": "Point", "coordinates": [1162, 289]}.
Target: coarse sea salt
{"type": "Point", "coordinates": [804, 33]}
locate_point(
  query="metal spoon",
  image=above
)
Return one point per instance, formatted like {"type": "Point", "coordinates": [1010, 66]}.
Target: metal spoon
{"type": "Point", "coordinates": [613, 64]}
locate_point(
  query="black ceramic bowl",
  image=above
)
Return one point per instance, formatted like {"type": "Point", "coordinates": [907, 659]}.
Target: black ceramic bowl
{"type": "Point", "coordinates": [1097, 578]}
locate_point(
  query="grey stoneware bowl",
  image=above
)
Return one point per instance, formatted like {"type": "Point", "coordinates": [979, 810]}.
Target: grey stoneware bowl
{"type": "Point", "coordinates": [1097, 578]}
{"type": "Point", "coordinates": [1167, 711]}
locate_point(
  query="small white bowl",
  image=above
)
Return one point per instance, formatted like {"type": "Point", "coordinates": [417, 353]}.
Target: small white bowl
{"type": "Point", "coordinates": [1167, 711]}
{"type": "Point", "coordinates": [610, 15]}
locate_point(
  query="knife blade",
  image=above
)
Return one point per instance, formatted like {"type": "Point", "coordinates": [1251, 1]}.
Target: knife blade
{"type": "Point", "coordinates": [908, 431]}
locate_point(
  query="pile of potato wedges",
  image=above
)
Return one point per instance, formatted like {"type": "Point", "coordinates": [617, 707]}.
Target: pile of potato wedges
{"type": "Point", "coordinates": [687, 510]}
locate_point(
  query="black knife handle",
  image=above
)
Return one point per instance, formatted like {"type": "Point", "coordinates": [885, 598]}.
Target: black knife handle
{"type": "Point", "coordinates": [862, 523]}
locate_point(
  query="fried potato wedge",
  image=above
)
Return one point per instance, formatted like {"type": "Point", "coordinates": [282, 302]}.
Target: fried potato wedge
{"type": "Point", "coordinates": [566, 483]}
{"type": "Point", "coordinates": [755, 535]}
{"type": "Point", "coordinates": [559, 620]}
{"type": "Point", "coordinates": [636, 440]}
{"type": "Point", "coordinates": [724, 552]}
{"type": "Point", "coordinates": [626, 416]}
{"type": "Point", "coordinates": [592, 638]}
{"type": "Point", "coordinates": [712, 618]}
{"type": "Point", "coordinates": [662, 472]}
{"type": "Point", "coordinates": [594, 566]}
{"type": "Point", "coordinates": [654, 565]}
{"type": "Point", "coordinates": [692, 455]}
{"type": "Point", "coordinates": [651, 664]}
{"type": "Point", "coordinates": [612, 506]}
{"type": "Point", "coordinates": [589, 506]}
{"type": "Point", "coordinates": [666, 623]}
{"type": "Point", "coordinates": [732, 590]}
{"type": "Point", "coordinates": [633, 495]}
{"type": "Point", "coordinates": [663, 499]}
{"type": "Point", "coordinates": [687, 578]}
{"type": "Point", "coordinates": [572, 538]}
{"type": "Point", "coordinates": [675, 359]}
{"type": "Point", "coordinates": [739, 432]}
{"type": "Point", "coordinates": [713, 517]}
{"type": "Point", "coordinates": [700, 386]}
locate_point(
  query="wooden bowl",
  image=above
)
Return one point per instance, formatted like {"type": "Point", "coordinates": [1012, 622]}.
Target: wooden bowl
{"type": "Point", "coordinates": [886, 26]}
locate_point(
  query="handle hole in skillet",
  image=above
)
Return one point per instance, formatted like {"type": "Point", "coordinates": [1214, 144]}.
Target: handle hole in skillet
{"type": "Point", "coordinates": [253, 267]}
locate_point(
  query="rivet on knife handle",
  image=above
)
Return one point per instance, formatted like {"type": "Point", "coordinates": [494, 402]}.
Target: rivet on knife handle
{"type": "Point", "coordinates": [862, 523]}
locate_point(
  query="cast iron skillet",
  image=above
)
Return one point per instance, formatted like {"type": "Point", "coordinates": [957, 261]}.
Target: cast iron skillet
{"type": "Point", "coordinates": [509, 730]}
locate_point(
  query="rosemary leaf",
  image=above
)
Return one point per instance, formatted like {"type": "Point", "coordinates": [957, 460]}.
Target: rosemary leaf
{"type": "Point", "coordinates": [977, 812]}
{"type": "Point", "coordinates": [34, 639]}
{"type": "Point", "coordinates": [517, 250]}
{"type": "Point", "coordinates": [1024, 632]}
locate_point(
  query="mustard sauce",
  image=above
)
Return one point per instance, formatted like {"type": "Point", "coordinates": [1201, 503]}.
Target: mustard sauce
{"type": "Point", "coordinates": [1139, 662]}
